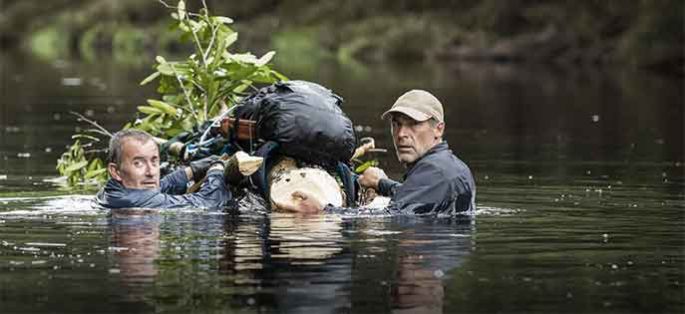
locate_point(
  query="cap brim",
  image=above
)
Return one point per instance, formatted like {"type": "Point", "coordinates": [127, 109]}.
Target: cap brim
{"type": "Point", "coordinates": [410, 112]}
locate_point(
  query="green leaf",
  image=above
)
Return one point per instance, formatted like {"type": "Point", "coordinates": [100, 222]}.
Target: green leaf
{"type": "Point", "coordinates": [165, 68]}
{"type": "Point", "coordinates": [265, 58]}
{"type": "Point", "coordinates": [95, 172]}
{"type": "Point", "coordinates": [366, 165]}
{"type": "Point", "coordinates": [166, 108]}
{"type": "Point", "coordinates": [150, 78]}
{"type": "Point", "coordinates": [76, 166]}
{"type": "Point", "coordinates": [149, 110]}
{"type": "Point", "coordinates": [243, 57]}
{"type": "Point", "coordinates": [223, 19]}
{"type": "Point", "coordinates": [181, 10]}
{"type": "Point", "coordinates": [85, 136]}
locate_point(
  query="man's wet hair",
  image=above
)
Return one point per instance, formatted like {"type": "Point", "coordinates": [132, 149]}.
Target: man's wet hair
{"type": "Point", "coordinates": [117, 141]}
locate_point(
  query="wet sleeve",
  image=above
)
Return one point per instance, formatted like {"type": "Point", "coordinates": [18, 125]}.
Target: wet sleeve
{"type": "Point", "coordinates": [425, 190]}
{"type": "Point", "coordinates": [388, 187]}
{"type": "Point", "coordinates": [174, 183]}
{"type": "Point", "coordinates": [213, 194]}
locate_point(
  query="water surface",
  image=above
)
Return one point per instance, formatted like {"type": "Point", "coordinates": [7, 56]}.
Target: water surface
{"type": "Point", "coordinates": [580, 194]}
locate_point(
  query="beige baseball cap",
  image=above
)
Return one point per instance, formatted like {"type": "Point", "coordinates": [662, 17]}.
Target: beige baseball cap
{"type": "Point", "coordinates": [419, 105]}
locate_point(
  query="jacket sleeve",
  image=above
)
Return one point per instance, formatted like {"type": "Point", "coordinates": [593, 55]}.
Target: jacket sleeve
{"type": "Point", "coordinates": [424, 191]}
{"type": "Point", "coordinates": [175, 183]}
{"type": "Point", "coordinates": [213, 194]}
{"type": "Point", "coordinates": [388, 187]}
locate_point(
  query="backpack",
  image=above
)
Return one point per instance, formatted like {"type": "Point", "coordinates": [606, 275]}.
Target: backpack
{"type": "Point", "coordinates": [305, 119]}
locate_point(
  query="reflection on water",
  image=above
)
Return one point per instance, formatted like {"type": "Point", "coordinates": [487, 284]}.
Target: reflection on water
{"type": "Point", "coordinates": [580, 188]}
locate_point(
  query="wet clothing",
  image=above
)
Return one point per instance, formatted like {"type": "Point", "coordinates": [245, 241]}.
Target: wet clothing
{"type": "Point", "coordinates": [437, 183]}
{"type": "Point", "coordinates": [212, 194]}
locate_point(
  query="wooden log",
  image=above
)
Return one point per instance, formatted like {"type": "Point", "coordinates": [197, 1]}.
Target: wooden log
{"type": "Point", "coordinates": [285, 178]}
{"type": "Point", "coordinates": [241, 165]}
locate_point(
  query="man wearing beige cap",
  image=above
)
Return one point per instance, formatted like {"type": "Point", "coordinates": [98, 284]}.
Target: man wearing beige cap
{"type": "Point", "coordinates": [436, 181]}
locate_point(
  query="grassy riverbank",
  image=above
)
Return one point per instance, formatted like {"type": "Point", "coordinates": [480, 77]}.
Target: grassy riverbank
{"type": "Point", "coordinates": [646, 34]}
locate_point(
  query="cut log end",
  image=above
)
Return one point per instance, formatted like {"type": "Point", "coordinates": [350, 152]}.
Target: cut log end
{"type": "Point", "coordinates": [285, 178]}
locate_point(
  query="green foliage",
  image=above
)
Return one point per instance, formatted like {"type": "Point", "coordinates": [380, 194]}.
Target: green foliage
{"type": "Point", "coordinates": [366, 165]}
{"type": "Point", "coordinates": [208, 82]}
{"type": "Point", "coordinates": [77, 169]}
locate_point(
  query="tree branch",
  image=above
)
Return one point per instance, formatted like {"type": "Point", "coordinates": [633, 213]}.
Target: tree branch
{"type": "Point", "coordinates": [102, 130]}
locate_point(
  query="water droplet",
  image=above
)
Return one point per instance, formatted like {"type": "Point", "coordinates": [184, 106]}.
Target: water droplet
{"type": "Point", "coordinates": [530, 177]}
{"type": "Point", "coordinates": [71, 81]}
{"type": "Point", "coordinates": [56, 116]}
{"type": "Point", "coordinates": [595, 118]}
{"type": "Point", "coordinates": [438, 273]}
{"type": "Point", "coordinates": [48, 150]}
{"type": "Point", "coordinates": [12, 129]}
{"type": "Point", "coordinates": [588, 172]}
{"type": "Point", "coordinates": [614, 266]}
{"type": "Point", "coordinates": [89, 113]}
{"type": "Point", "coordinates": [114, 270]}
{"type": "Point", "coordinates": [486, 177]}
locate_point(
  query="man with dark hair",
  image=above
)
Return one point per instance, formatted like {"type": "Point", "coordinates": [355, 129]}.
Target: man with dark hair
{"type": "Point", "coordinates": [133, 165]}
{"type": "Point", "coordinates": [436, 181]}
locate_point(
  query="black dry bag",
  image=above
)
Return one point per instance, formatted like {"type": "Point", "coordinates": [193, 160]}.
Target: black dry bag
{"type": "Point", "coordinates": [304, 118]}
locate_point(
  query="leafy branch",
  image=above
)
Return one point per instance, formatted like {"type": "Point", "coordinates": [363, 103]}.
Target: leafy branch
{"type": "Point", "coordinates": [204, 85]}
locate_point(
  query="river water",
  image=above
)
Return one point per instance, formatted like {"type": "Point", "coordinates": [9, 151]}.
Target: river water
{"type": "Point", "coordinates": [580, 194]}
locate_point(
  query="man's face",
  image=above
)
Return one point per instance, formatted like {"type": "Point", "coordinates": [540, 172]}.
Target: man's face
{"type": "Point", "coordinates": [139, 167]}
{"type": "Point", "coordinates": [412, 138]}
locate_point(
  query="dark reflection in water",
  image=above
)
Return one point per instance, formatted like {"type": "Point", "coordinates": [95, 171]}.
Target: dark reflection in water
{"type": "Point", "coordinates": [287, 263]}
{"type": "Point", "coordinates": [580, 194]}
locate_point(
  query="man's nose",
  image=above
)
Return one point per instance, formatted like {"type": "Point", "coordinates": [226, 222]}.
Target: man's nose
{"type": "Point", "coordinates": [148, 169]}
{"type": "Point", "coordinates": [401, 132]}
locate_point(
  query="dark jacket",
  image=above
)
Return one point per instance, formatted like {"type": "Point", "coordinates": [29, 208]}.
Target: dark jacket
{"type": "Point", "coordinates": [437, 183]}
{"type": "Point", "coordinates": [212, 194]}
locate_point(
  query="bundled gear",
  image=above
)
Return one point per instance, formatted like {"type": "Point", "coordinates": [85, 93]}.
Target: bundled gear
{"type": "Point", "coordinates": [305, 119]}
{"type": "Point", "coordinates": [299, 119]}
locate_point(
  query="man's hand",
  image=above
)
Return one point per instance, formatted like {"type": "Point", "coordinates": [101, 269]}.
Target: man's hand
{"type": "Point", "coordinates": [199, 167]}
{"type": "Point", "coordinates": [301, 202]}
{"type": "Point", "coordinates": [371, 176]}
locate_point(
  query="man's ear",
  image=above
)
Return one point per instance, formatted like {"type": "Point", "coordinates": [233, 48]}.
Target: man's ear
{"type": "Point", "coordinates": [113, 171]}
{"type": "Point", "coordinates": [439, 129]}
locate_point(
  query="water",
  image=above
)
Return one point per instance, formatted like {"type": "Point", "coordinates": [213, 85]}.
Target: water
{"type": "Point", "coordinates": [580, 188]}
